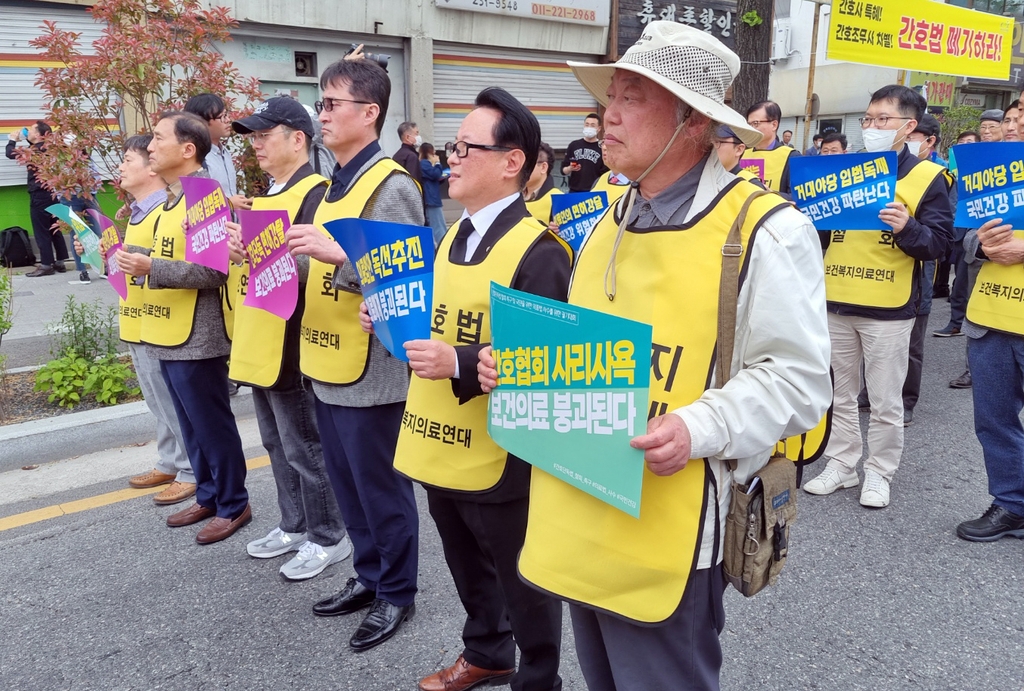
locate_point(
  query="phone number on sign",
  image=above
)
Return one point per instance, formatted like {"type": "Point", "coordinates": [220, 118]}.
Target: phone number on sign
{"type": "Point", "coordinates": [564, 12]}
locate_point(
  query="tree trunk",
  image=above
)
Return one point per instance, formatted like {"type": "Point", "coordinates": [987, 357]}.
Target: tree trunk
{"type": "Point", "coordinates": [754, 46]}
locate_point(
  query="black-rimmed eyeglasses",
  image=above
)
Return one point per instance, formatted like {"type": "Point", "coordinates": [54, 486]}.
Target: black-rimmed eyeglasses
{"type": "Point", "coordinates": [330, 104]}
{"type": "Point", "coordinates": [461, 149]}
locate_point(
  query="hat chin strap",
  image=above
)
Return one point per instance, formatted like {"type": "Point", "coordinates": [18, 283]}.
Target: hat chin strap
{"type": "Point", "coordinates": [628, 199]}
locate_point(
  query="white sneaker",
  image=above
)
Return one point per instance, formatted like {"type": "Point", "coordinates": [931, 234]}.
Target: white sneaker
{"type": "Point", "coordinates": [276, 543]}
{"type": "Point", "coordinates": [830, 480]}
{"type": "Point", "coordinates": [312, 559]}
{"type": "Point", "coordinates": [875, 492]}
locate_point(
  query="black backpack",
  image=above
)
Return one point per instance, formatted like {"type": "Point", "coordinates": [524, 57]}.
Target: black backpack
{"type": "Point", "coordinates": [16, 248]}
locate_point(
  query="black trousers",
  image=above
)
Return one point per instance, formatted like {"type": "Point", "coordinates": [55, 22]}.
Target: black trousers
{"type": "Point", "coordinates": [481, 545]}
{"type": "Point", "coordinates": [912, 384]}
{"type": "Point", "coordinates": [47, 239]}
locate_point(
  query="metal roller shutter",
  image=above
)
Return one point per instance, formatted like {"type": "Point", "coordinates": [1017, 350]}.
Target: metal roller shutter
{"type": "Point", "coordinates": [542, 81]}
{"type": "Point", "coordinates": [23, 103]}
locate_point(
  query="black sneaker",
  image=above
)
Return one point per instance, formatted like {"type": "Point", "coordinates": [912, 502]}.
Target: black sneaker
{"type": "Point", "coordinates": [40, 271]}
{"type": "Point", "coordinates": [59, 267]}
{"type": "Point", "coordinates": [995, 523]}
{"type": "Point", "coordinates": [84, 277]}
{"type": "Point", "coordinates": [964, 381]}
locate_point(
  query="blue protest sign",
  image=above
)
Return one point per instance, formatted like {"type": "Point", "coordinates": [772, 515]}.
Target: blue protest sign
{"type": "Point", "coordinates": [990, 183]}
{"type": "Point", "coordinates": [573, 387]}
{"type": "Point", "coordinates": [576, 214]}
{"type": "Point", "coordinates": [395, 263]}
{"type": "Point", "coordinates": [844, 192]}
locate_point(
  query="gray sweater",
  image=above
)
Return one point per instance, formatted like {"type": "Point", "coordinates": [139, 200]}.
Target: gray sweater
{"type": "Point", "coordinates": [386, 379]}
{"type": "Point", "coordinates": [209, 339]}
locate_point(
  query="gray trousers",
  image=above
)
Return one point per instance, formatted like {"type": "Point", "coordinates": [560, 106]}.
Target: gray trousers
{"type": "Point", "coordinates": [172, 458]}
{"type": "Point", "coordinates": [681, 654]}
{"type": "Point", "coordinates": [287, 422]}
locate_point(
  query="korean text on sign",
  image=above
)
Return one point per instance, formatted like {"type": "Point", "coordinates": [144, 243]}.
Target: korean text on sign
{"type": "Point", "coordinates": [990, 183]}
{"type": "Point", "coordinates": [110, 244]}
{"type": "Point", "coordinates": [571, 392]}
{"type": "Point", "coordinates": [576, 215]}
{"type": "Point", "coordinates": [206, 216]}
{"type": "Point", "coordinates": [921, 35]}
{"type": "Point", "coordinates": [273, 283]}
{"type": "Point", "coordinates": [844, 192]}
{"type": "Point", "coordinates": [395, 265]}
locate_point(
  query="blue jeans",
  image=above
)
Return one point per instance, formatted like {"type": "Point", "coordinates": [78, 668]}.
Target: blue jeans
{"type": "Point", "coordinates": [287, 422]}
{"type": "Point", "coordinates": [435, 219]}
{"type": "Point", "coordinates": [997, 365]}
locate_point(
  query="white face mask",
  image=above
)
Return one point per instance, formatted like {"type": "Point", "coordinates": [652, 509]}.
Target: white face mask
{"type": "Point", "coordinates": [915, 148]}
{"type": "Point", "coordinates": [589, 132]}
{"type": "Point", "coordinates": [876, 140]}
{"type": "Point", "coordinates": [419, 140]}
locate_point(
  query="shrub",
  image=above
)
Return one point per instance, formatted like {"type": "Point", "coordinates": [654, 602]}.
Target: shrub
{"type": "Point", "coordinates": [71, 377]}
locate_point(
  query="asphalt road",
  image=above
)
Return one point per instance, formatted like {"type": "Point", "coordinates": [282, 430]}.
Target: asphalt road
{"type": "Point", "coordinates": [109, 598]}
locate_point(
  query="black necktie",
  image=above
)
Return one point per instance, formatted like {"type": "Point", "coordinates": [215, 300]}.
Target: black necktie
{"type": "Point", "coordinates": [458, 253]}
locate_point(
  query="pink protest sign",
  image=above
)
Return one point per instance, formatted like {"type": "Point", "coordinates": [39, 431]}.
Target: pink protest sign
{"type": "Point", "coordinates": [273, 277]}
{"type": "Point", "coordinates": [755, 166]}
{"type": "Point", "coordinates": [110, 242]}
{"type": "Point", "coordinates": [206, 232]}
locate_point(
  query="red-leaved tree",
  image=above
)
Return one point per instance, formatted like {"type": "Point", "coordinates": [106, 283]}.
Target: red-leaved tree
{"type": "Point", "coordinates": [152, 56]}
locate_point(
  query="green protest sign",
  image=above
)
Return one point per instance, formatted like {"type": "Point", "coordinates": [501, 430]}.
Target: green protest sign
{"type": "Point", "coordinates": [572, 391]}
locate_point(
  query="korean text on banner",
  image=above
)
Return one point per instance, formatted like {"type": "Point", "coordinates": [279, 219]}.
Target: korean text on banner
{"type": "Point", "coordinates": [273, 276]}
{"type": "Point", "coordinates": [921, 35]}
{"type": "Point", "coordinates": [395, 263]}
{"type": "Point", "coordinates": [572, 391]}
{"type": "Point", "coordinates": [83, 233]}
{"type": "Point", "coordinates": [110, 243]}
{"type": "Point", "coordinates": [576, 214]}
{"type": "Point", "coordinates": [207, 214]}
{"type": "Point", "coordinates": [844, 192]}
{"type": "Point", "coordinates": [990, 183]}
{"type": "Point", "coordinates": [753, 165]}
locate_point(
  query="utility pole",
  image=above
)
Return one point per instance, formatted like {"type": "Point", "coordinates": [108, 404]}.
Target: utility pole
{"type": "Point", "coordinates": [809, 109]}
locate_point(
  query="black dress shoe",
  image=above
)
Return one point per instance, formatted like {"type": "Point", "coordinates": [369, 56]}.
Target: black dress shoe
{"type": "Point", "coordinates": [380, 624]}
{"type": "Point", "coordinates": [964, 381]}
{"type": "Point", "coordinates": [353, 597]}
{"type": "Point", "coordinates": [59, 267]}
{"type": "Point", "coordinates": [995, 523]}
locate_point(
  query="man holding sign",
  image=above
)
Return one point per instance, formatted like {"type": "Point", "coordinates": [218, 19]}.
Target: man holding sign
{"type": "Point", "coordinates": [360, 388]}
{"type": "Point", "coordinates": [265, 348]}
{"type": "Point", "coordinates": [478, 493]}
{"type": "Point", "coordinates": [646, 594]}
{"type": "Point", "coordinates": [873, 284]}
{"type": "Point", "coordinates": [183, 327]}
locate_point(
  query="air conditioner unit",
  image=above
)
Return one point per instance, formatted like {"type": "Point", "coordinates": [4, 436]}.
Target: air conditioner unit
{"type": "Point", "coordinates": [782, 42]}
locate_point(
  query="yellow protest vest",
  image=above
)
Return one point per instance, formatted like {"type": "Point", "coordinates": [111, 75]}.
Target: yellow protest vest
{"type": "Point", "coordinates": [998, 298]}
{"type": "Point", "coordinates": [442, 443]}
{"type": "Point", "coordinates": [613, 190]}
{"type": "Point", "coordinates": [333, 349]}
{"type": "Point", "coordinates": [257, 352]}
{"type": "Point", "coordinates": [578, 547]}
{"type": "Point", "coordinates": [236, 276]}
{"type": "Point", "coordinates": [169, 313]}
{"type": "Point", "coordinates": [775, 162]}
{"type": "Point", "coordinates": [865, 268]}
{"type": "Point", "coordinates": [541, 208]}
{"type": "Point", "coordinates": [129, 313]}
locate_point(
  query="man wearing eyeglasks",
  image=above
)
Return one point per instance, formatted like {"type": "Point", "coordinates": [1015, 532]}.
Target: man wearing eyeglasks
{"type": "Point", "coordinates": [360, 388]}
{"type": "Point", "coordinates": [764, 117]}
{"type": "Point", "coordinates": [872, 319]}
{"type": "Point", "coordinates": [478, 493]}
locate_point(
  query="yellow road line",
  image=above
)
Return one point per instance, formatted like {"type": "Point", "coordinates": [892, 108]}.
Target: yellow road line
{"type": "Point", "coordinates": [48, 512]}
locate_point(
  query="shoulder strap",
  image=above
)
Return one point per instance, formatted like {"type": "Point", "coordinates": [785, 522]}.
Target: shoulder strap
{"type": "Point", "coordinates": [728, 291]}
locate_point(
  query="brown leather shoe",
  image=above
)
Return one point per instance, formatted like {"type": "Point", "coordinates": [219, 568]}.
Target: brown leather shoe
{"type": "Point", "coordinates": [153, 478]}
{"type": "Point", "coordinates": [175, 494]}
{"type": "Point", "coordinates": [462, 676]}
{"type": "Point", "coordinates": [221, 528]}
{"type": "Point", "coordinates": [189, 516]}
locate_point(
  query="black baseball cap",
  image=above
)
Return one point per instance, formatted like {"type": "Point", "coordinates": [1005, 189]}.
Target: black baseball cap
{"type": "Point", "coordinates": [280, 110]}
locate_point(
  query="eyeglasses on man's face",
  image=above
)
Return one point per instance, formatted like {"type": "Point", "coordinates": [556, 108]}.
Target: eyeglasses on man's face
{"type": "Point", "coordinates": [758, 123]}
{"type": "Point", "coordinates": [461, 149]}
{"type": "Point", "coordinates": [329, 104]}
{"type": "Point", "coordinates": [262, 136]}
{"type": "Point", "coordinates": [879, 122]}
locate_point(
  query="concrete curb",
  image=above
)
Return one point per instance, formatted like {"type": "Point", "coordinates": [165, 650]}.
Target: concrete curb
{"type": "Point", "coordinates": [74, 434]}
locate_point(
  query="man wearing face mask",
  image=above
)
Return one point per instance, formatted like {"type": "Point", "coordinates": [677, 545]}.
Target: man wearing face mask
{"type": "Point", "coordinates": [872, 319]}
{"type": "Point", "coordinates": [583, 162]}
{"type": "Point", "coordinates": [406, 156]}
{"type": "Point", "coordinates": [991, 127]}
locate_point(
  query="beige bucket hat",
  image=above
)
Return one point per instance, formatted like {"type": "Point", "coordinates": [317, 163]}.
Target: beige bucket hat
{"type": "Point", "coordinates": [693, 65]}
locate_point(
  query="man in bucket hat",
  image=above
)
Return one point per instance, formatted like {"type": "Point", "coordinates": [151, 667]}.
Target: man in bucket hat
{"type": "Point", "coordinates": [646, 594]}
